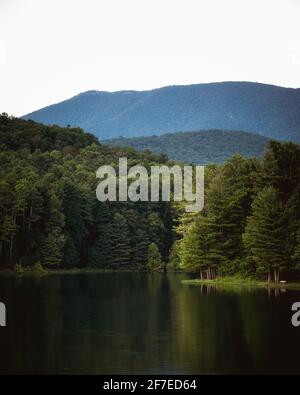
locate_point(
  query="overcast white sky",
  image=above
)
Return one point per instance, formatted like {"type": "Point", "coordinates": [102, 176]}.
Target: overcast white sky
{"type": "Point", "coordinates": [51, 50]}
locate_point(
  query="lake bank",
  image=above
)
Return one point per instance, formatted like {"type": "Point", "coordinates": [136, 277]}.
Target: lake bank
{"type": "Point", "coordinates": [221, 281]}
{"type": "Point", "coordinates": [50, 272]}
{"type": "Point", "coordinates": [235, 281]}
{"type": "Point", "coordinates": [30, 271]}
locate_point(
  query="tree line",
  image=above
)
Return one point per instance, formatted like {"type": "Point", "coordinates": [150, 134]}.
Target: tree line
{"type": "Point", "coordinates": [250, 224]}
{"type": "Point", "coordinates": [49, 213]}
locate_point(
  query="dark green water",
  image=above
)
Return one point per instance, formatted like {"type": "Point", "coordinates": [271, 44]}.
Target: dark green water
{"type": "Point", "coordinates": [138, 323]}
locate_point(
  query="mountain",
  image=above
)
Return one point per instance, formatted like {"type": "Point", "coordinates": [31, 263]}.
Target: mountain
{"type": "Point", "coordinates": [202, 147]}
{"type": "Point", "coordinates": [268, 110]}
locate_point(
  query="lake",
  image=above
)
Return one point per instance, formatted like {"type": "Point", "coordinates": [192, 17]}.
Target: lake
{"type": "Point", "coordinates": [130, 323]}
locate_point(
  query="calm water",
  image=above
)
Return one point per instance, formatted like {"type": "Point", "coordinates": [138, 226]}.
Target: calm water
{"type": "Point", "coordinates": [139, 323]}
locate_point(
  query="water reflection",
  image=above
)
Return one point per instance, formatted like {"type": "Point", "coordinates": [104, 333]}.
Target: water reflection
{"type": "Point", "coordinates": [140, 323]}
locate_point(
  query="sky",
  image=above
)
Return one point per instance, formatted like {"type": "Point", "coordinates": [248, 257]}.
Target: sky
{"type": "Point", "coordinates": [51, 50]}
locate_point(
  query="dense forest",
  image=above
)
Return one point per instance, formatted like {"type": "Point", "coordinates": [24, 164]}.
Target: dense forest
{"type": "Point", "coordinates": [49, 211]}
{"type": "Point", "coordinates": [250, 224]}
{"type": "Point", "coordinates": [201, 147]}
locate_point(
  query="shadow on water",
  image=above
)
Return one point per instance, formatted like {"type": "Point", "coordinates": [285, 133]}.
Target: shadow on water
{"type": "Point", "coordinates": [109, 323]}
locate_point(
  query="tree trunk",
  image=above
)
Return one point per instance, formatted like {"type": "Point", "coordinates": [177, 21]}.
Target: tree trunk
{"type": "Point", "coordinates": [269, 276]}
{"type": "Point", "coordinates": [30, 215]}
{"type": "Point", "coordinates": [276, 275]}
{"type": "Point", "coordinates": [11, 246]}
{"type": "Point", "coordinates": [214, 273]}
{"type": "Point", "coordinates": [201, 275]}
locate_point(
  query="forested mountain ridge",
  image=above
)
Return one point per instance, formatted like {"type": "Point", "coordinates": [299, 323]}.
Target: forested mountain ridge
{"type": "Point", "coordinates": [16, 133]}
{"type": "Point", "coordinates": [201, 147]}
{"type": "Point", "coordinates": [268, 110]}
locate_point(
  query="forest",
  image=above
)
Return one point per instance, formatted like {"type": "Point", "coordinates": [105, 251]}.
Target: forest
{"type": "Point", "coordinates": [49, 211]}
{"type": "Point", "coordinates": [200, 147]}
{"type": "Point", "coordinates": [49, 214]}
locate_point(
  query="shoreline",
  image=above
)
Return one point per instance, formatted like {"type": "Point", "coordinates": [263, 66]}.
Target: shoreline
{"type": "Point", "coordinates": [232, 281]}
{"type": "Point", "coordinates": [221, 281]}
{"type": "Point", "coordinates": [27, 272]}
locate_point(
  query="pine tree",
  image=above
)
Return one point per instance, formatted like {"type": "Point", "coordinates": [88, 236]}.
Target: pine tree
{"type": "Point", "coordinates": [140, 249]}
{"type": "Point", "coordinates": [202, 248]}
{"type": "Point", "coordinates": [156, 229]}
{"type": "Point", "coordinates": [265, 236]}
{"type": "Point", "coordinates": [53, 244]}
{"type": "Point", "coordinates": [226, 214]}
{"type": "Point", "coordinates": [154, 258]}
{"type": "Point", "coordinates": [120, 242]}
{"type": "Point", "coordinates": [103, 235]}
{"type": "Point", "coordinates": [280, 168]}
{"type": "Point", "coordinates": [174, 257]}
{"type": "Point", "coordinates": [296, 255]}
{"type": "Point", "coordinates": [75, 228]}
{"type": "Point", "coordinates": [52, 247]}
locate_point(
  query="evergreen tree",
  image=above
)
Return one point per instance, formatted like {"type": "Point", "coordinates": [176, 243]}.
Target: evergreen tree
{"type": "Point", "coordinates": [52, 246]}
{"type": "Point", "coordinates": [174, 257]}
{"type": "Point", "coordinates": [120, 242]}
{"type": "Point", "coordinates": [140, 253]}
{"type": "Point", "coordinates": [154, 258]}
{"type": "Point", "coordinates": [296, 255]}
{"type": "Point", "coordinates": [49, 212]}
{"type": "Point", "coordinates": [74, 225]}
{"type": "Point", "coordinates": [101, 236]}
{"type": "Point", "coordinates": [265, 235]}
{"type": "Point", "coordinates": [202, 249]}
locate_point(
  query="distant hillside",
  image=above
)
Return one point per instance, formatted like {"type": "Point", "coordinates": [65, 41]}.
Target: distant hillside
{"type": "Point", "coordinates": [269, 110]}
{"type": "Point", "coordinates": [16, 133]}
{"type": "Point", "coordinates": [202, 147]}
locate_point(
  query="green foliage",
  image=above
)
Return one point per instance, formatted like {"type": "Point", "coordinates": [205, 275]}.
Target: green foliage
{"type": "Point", "coordinates": [250, 224]}
{"type": "Point", "coordinates": [49, 212]}
{"type": "Point", "coordinates": [18, 134]}
{"type": "Point", "coordinates": [53, 243]}
{"type": "Point", "coordinates": [48, 207]}
{"type": "Point", "coordinates": [264, 236]}
{"type": "Point", "coordinates": [38, 268]}
{"type": "Point", "coordinates": [18, 268]}
{"type": "Point", "coordinates": [204, 146]}
{"type": "Point", "coordinates": [174, 258]}
{"type": "Point", "coordinates": [140, 256]}
{"type": "Point", "coordinates": [296, 254]}
{"type": "Point", "coordinates": [120, 242]}
{"type": "Point", "coordinates": [154, 258]}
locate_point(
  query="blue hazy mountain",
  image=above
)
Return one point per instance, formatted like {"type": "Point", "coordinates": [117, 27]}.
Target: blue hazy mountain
{"type": "Point", "coordinates": [202, 147]}
{"type": "Point", "coordinates": [268, 110]}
